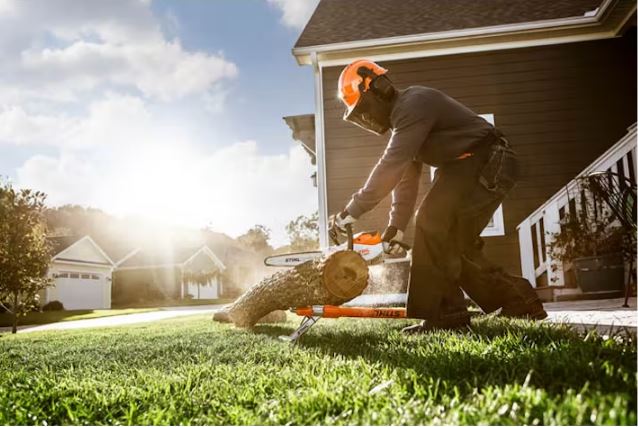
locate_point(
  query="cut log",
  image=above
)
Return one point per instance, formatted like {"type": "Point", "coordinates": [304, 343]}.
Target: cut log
{"type": "Point", "coordinates": [333, 280]}
{"type": "Point", "coordinates": [277, 316]}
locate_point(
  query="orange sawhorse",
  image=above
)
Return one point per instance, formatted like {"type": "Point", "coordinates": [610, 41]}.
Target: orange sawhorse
{"type": "Point", "coordinates": [312, 314]}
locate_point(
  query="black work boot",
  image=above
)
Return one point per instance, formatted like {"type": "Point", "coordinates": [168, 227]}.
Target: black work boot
{"type": "Point", "coordinates": [455, 323]}
{"type": "Point", "coordinates": [492, 288]}
{"type": "Point", "coordinates": [453, 315]}
{"type": "Point", "coordinates": [525, 304]}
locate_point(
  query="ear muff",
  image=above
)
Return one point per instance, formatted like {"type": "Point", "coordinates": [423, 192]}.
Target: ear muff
{"type": "Point", "coordinates": [383, 87]}
{"type": "Point", "coordinates": [379, 84]}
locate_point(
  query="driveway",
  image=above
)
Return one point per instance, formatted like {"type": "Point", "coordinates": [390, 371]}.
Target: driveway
{"type": "Point", "coordinates": [123, 320]}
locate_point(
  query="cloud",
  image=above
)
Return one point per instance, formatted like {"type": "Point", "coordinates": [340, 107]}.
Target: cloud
{"type": "Point", "coordinates": [112, 120]}
{"type": "Point", "coordinates": [19, 128]}
{"type": "Point", "coordinates": [230, 190]}
{"type": "Point", "coordinates": [296, 13]}
{"type": "Point", "coordinates": [136, 166]}
{"type": "Point", "coordinates": [65, 178]}
{"type": "Point", "coordinates": [93, 83]}
{"type": "Point", "coordinates": [63, 50]}
{"type": "Point", "coordinates": [160, 70]}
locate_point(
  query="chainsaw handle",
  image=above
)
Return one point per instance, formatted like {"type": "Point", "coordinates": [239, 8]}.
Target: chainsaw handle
{"type": "Point", "coordinates": [349, 235]}
{"type": "Point", "coordinates": [403, 245]}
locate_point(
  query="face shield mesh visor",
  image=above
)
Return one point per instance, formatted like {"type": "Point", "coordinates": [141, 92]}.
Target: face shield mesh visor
{"type": "Point", "coordinates": [371, 113]}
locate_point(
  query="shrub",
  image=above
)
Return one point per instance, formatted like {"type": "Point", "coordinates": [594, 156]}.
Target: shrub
{"type": "Point", "coordinates": [53, 306]}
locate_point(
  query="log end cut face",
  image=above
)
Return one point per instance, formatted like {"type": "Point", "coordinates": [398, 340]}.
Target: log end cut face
{"type": "Point", "coordinates": [345, 274]}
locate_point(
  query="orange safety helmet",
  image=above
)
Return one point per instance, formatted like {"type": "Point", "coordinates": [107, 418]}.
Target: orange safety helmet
{"type": "Point", "coordinates": [352, 83]}
{"type": "Point", "coordinates": [367, 94]}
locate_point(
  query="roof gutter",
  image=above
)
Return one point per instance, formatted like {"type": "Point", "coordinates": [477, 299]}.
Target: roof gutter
{"type": "Point", "coordinates": [303, 54]}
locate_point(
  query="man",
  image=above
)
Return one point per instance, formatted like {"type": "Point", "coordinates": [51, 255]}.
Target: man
{"type": "Point", "coordinates": [476, 168]}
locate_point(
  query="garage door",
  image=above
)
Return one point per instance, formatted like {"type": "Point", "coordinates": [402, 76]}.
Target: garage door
{"type": "Point", "coordinates": [79, 291]}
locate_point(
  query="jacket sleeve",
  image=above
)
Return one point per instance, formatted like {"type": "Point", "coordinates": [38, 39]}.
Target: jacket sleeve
{"type": "Point", "coordinates": [404, 196]}
{"type": "Point", "coordinates": [410, 132]}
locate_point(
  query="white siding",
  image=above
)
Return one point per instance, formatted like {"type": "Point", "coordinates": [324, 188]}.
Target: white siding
{"type": "Point", "coordinates": [85, 251]}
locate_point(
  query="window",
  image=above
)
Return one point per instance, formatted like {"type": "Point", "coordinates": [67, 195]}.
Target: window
{"type": "Point", "coordinates": [78, 275]}
{"type": "Point", "coordinates": [496, 226]}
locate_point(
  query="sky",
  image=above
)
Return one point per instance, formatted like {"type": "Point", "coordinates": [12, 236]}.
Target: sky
{"type": "Point", "coordinates": [166, 109]}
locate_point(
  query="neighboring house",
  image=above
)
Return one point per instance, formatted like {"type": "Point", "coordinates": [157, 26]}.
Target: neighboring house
{"type": "Point", "coordinates": [558, 77]}
{"type": "Point", "coordinates": [81, 271]}
{"type": "Point", "coordinates": [168, 273]}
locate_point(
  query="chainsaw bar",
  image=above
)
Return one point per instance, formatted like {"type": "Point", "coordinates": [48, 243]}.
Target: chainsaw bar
{"type": "Point", "coordinates": [293, 259]}
{"type": "Point", "coordinates": [367, 244]}
{"type": "Point", "coordinates": [290, 260]}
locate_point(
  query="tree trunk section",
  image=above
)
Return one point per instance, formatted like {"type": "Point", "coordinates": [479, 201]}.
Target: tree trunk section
{"type": "Point", "coordinates": [14, 326]}
{"type": "Point", "coordinates": [331, 281]}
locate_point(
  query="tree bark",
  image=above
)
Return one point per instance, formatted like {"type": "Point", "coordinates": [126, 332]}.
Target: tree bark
{"type": "Point", "coordinates": [333, 280]}
{"type": "Point", "coordinates": [14, 326]}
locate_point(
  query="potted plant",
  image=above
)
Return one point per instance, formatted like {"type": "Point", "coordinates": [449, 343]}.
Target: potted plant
{"type": "Point", "coordinates": [591, 244]}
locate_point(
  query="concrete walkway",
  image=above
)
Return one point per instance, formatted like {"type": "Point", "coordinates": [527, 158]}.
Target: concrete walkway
{"type": "Point", "coordinates": [603, 315]}
{"type": "Point", "coordinates": [121, 320]}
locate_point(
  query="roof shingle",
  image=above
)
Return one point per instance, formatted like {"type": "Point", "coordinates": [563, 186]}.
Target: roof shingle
{"type": "Point", "coordinates": [338, 21]}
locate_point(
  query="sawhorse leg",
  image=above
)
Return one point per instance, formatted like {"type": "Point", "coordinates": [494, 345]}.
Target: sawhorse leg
{"type": "Point", "coordinates": [304, 326]}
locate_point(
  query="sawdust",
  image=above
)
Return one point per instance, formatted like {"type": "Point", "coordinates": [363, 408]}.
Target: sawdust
{"type": "Point", "coordinates": [388, 278]}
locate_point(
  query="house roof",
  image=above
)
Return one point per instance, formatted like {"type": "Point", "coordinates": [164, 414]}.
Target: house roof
{"type": "Point", "coordinates": [166, 256]}
{"type": "Point", "coordinates": [60, 243]}
{"type": "Point", "coordinates": [113, 249]}
{"type": "Point", "coordinates": [338, 21]}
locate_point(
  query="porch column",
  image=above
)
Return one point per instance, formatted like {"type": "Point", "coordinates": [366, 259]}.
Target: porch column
{"type": "Point", "coordinates": [181, 282]}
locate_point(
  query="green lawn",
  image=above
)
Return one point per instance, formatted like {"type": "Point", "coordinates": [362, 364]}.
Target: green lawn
{"type": "Point", "coordinates": [40, 318]}
{"type": "Point", "coordinates": [193, 371]}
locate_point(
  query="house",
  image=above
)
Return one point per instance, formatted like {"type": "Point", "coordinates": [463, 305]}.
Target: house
{"type": "Point", "coordinates": [81, 271]}
{"type": "Point", "coordinates": [558, 77]}
{"type": "Point", "coordinates": [168, 272]}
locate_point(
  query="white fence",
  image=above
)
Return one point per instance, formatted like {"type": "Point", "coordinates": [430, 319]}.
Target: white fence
{"type": "Point", "coordinates": [534, 233]}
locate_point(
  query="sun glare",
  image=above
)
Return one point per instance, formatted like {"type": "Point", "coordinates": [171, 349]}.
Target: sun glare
{"type": "Point", "coordinates": [159, 182]}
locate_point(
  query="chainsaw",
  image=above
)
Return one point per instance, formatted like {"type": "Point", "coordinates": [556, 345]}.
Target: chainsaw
{"type": "Point", "coordinates": [370, 246]}
{"type": "Point", "coordinates": [367, 243]}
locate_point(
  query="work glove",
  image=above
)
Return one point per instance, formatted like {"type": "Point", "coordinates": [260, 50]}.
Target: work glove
{"type": "Point", "coordinates": [392, 240]}
{"type": "Point", "coordinates": [338, 223]}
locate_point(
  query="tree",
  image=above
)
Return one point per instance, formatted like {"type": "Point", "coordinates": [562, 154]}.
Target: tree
{"type": "Point", "coordinates": [24, 250]}
{"type": "Point", "coordinates": [303, 232]}
{"type": "Point", "coordinates": [256, 239]}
